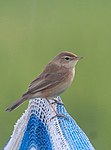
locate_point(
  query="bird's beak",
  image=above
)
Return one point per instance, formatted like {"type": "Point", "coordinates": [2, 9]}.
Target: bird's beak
{"type": "Point", "coordinates": [78, 58]}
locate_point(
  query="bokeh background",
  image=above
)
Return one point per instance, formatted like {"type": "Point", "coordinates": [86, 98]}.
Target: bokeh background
{"type": "Point", "coordinates": [32, 32]}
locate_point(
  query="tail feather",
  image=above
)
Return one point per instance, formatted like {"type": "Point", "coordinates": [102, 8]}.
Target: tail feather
{"type": "Point", "coordinates": [16, 104]}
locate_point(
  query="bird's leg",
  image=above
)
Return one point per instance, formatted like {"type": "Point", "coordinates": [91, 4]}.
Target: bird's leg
{"type": "Point", "coordinates": [57, 101]}
{"type": "Point", "coordinates": [57, 115]}
{"type": "Point", "coordinates": [51, 106]}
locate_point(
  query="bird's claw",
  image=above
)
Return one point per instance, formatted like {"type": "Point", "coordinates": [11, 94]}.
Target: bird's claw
{"type": "Point", "coordinates": [58, 115]}
{"type": "Point", "coordinates": [57, 102]}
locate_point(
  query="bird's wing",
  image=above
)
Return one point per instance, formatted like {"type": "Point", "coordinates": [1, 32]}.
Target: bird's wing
{"type": "Point", "coordinates": [47, 79]}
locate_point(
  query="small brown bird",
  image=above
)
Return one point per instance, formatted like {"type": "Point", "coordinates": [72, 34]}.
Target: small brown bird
{"type": "Point", "coordinates": [55, 79]}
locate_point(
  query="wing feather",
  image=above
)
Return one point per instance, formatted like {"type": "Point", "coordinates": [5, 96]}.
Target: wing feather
{"type": "Point", "coordinates": [47, 79]}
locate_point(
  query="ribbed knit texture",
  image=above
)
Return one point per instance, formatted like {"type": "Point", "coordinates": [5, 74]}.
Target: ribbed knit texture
{"type": "Point", "coordinates": [38, 130]}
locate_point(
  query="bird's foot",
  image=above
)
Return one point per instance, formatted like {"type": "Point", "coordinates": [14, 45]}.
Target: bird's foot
{"type": "Point", "coordinates": [57, 102]}
{"type": "Point", "coordinates": [59, 115]}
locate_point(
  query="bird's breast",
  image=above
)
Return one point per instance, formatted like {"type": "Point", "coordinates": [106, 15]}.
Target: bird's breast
{"type": "Point", "coordinates": [71, 77]}
{"type": "Point", "coordinates": [61, 87]}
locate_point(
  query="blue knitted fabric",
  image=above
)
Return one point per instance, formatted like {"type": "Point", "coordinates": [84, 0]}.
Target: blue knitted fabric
{"type": "Point", "coordinates": [36, 135]}
{"type": "Point", "coordinates": [38, 129]}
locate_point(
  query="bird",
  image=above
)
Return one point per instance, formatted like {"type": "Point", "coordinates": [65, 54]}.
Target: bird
{"type": "Point", "coordinates": [56, 77]}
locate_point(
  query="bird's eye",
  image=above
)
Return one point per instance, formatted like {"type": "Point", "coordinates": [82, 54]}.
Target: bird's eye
{"type": "Point", "coordinates": [67, 58]}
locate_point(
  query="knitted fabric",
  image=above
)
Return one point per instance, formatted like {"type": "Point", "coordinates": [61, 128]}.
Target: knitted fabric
{"type": "Point", "coordinates": [38, 129]}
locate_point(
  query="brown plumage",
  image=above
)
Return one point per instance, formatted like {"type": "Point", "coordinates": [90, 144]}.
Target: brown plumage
{"type": "Point", "coordinates": [55, 79]}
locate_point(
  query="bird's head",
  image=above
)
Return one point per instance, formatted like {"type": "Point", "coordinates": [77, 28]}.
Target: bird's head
{"type": "Point", "coordinates": [67, 59]}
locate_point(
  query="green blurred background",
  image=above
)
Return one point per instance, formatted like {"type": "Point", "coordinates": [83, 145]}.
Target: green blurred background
{"type": "Point", "coordinates": [32, 32]}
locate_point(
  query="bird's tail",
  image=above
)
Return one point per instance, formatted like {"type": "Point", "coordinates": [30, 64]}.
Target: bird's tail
{"type": "Point", "coordinates": [16, 104]}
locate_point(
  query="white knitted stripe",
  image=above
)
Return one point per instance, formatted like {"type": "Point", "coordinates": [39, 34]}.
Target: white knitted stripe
{"type": "Point", "coordinates": [18, 132]}
{"type": "Point", "coordinates": [58, 140]}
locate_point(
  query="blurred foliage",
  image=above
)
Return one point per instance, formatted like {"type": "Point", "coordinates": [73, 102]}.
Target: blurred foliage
{"type": "Point", "coordinates": [32, 33]}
